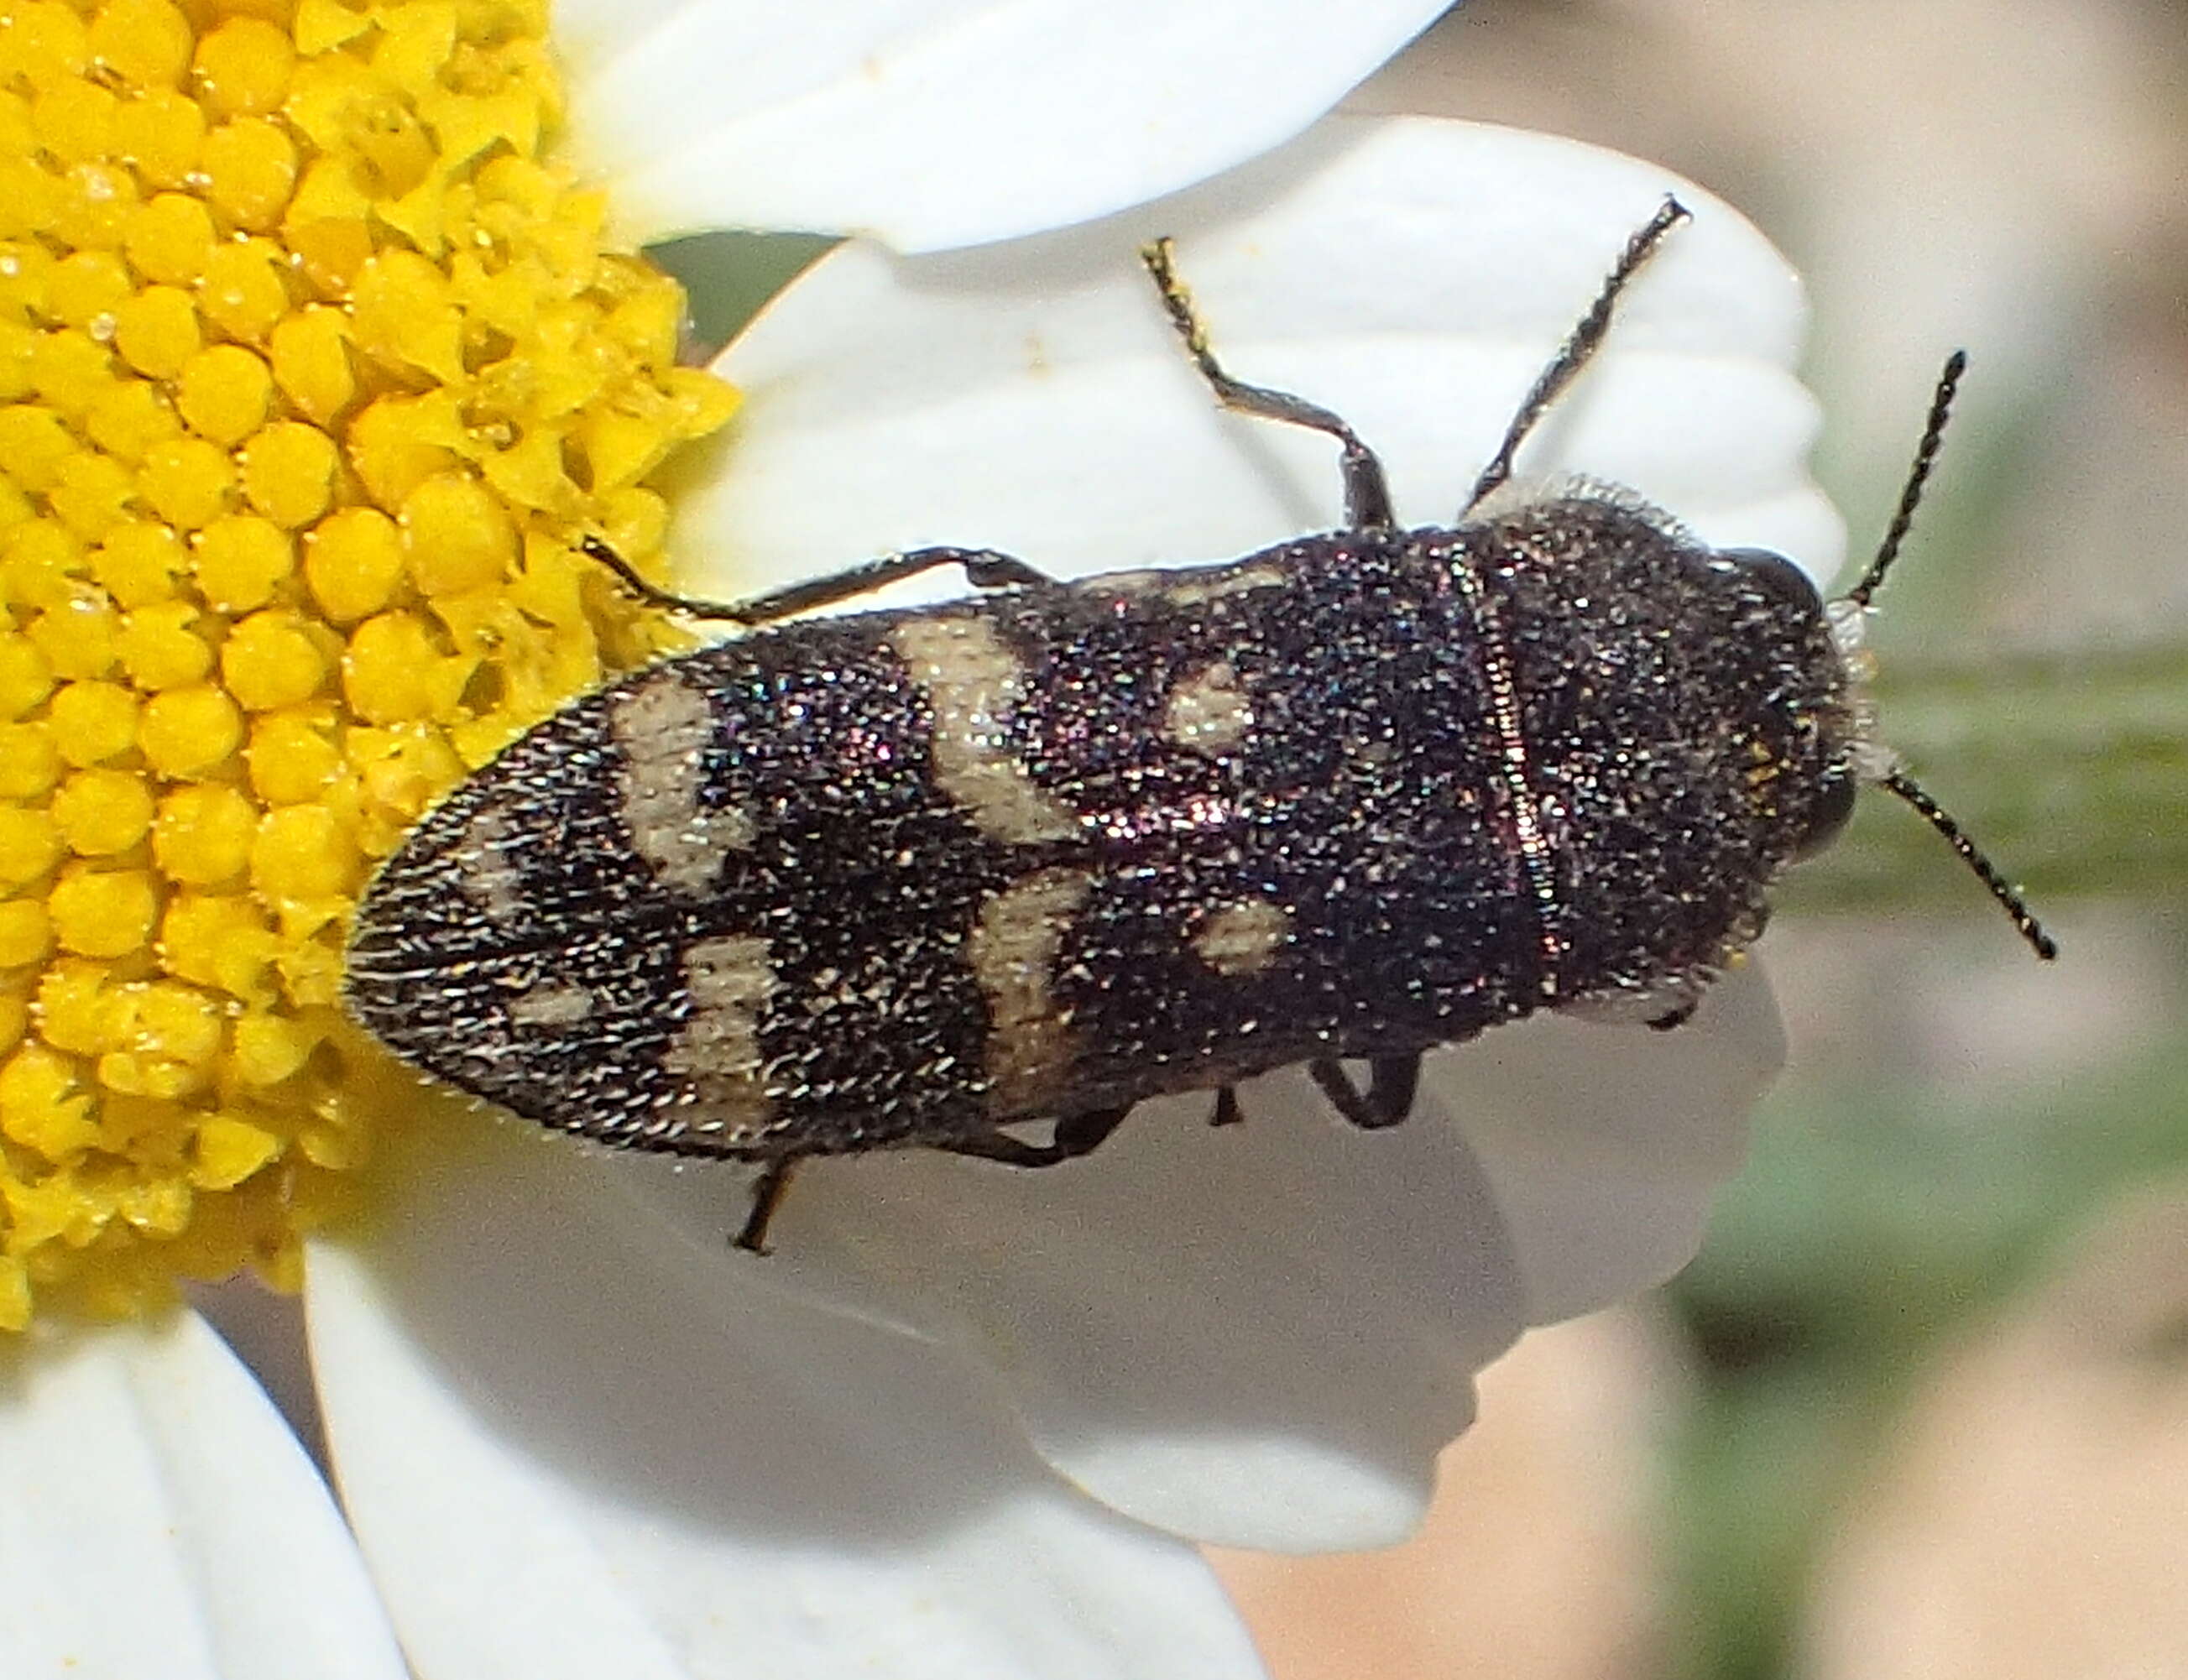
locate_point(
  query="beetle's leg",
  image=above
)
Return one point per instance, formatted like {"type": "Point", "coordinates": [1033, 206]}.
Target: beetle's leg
{"type": "Point", "coordinates": [1367, 494]}
{"type": "Point", "coordinates": [767, 1197]}
{"type": "Point", "coordinates": [1075, 1134]}
{"type": "Point", "coordinates": [1228, 1112]}
{"type": "Point", "coordinates": [1391, 1082]}
{"type": "Point", "coordinates": [1579, 347]}
{"type": "Point", "coordinates": [1083, 1133]}
{"type": "Point", "coordinates": [985, 568]}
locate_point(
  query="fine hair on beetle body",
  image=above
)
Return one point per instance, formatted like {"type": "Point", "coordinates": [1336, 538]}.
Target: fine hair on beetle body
{"type": "Point", "coordinates": [923, 877]}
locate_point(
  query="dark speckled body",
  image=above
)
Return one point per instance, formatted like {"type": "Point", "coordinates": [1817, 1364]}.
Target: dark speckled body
{"type": "Point", "coordinates": [900, 878]}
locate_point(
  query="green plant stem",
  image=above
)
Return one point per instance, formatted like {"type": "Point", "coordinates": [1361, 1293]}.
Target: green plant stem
{"type": "Point", "coordinates": [2070, 769]}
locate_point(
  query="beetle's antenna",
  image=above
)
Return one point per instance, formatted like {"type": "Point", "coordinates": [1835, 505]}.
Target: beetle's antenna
{"type": "Point", "coordinates": [2032, 930]}
{"type": "Point", "coordinates": [1896, 781]}
{"type": "Point", "coordinates": [1925, 457]}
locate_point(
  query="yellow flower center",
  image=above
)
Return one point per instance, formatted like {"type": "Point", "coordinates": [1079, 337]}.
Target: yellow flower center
{"type": "Point", "coordinates": [310, 372]}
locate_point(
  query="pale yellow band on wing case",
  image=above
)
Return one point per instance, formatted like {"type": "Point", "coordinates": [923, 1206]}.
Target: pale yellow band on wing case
{"type": "Point", "coordinates": [483, 871]}
{"type": "Point", "coordinates": [975, 684]}
{"type": "Point", "coordinates": [1012, 951]}
{"type": "Point", "coordinates": [663, 727]}
{"type": "Point", "coordinates": [1242, 937]}
{"type": "Point", "coordinates": [1207, 711]}
{"type": "Point", "coordinates": [551, 1004]}
{"type": "Point", "coordinates": [716, 1057]}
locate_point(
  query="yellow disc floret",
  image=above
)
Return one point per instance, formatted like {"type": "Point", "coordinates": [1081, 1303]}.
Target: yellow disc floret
{"type": "Point", "coordinates": [310, 373]}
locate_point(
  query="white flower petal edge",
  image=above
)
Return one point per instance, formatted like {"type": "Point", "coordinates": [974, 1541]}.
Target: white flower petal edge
{"type": "Point", "coordinates": [933, 123]}
{"type": "Point", "coordinates": [1414, 275]}
{"type": "Point", "coordinates": [573, 1444]}
{"type": "Point", "coordinates": [162, 1520]}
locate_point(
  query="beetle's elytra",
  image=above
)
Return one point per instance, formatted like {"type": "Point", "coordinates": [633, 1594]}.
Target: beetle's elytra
{"type": "Point", "coordinates": [899, 878]}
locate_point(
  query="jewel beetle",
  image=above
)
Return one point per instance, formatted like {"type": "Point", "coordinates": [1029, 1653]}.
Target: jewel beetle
{"type": "Point", "coordinates": [928, 877]}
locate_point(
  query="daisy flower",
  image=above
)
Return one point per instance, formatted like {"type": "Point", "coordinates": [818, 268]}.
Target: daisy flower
{"type": "Point", "coordinates": [315, 366]}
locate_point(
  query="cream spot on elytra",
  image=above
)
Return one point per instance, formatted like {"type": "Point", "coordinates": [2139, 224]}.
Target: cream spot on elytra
{"type": "Point", "coordinates": [1012, 951]}
{"type": "Point", "coordinates": [976, 685]}
{"type": "Point", "coordinates": [663, 726]}
{"type": "Point", "coordinates": [1208, 712]}
{"type": "Point", "coordinates": [1242, 938]}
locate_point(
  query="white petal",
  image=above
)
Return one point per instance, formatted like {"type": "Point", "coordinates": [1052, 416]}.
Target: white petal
{"type": "Point", "coordinates": [574, 1445]}
{"type": "Point", "coordinates": [1412, 274]}
{"type": "Point", "coordinates": [933, 123]}
{"type": "Point", "coordinates": [161, 1520]}
{"type": "Point", "coordinates": [1603, 1145]}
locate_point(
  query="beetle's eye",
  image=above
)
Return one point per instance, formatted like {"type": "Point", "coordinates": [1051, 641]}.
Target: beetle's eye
{"type": "Point", "coordinates": [1774, 576]}
{"type": "Point", "coordinates": [1828, 817]}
